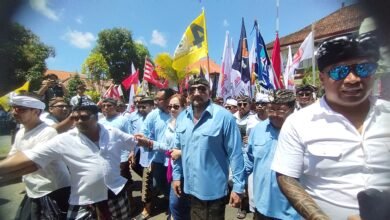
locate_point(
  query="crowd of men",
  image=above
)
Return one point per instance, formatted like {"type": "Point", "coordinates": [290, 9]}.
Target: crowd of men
{"type": "Point", "coordinates": [282, 155]}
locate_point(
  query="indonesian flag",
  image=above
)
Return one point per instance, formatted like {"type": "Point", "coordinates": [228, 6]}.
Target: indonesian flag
{"type": "Point", "coordinates": [277, 64]}
{"type": "Point", "coordinates": [132, 79]}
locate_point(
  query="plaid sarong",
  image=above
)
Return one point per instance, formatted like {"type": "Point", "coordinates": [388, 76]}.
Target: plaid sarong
{"type": "Point", "coordinates": [118, 206]}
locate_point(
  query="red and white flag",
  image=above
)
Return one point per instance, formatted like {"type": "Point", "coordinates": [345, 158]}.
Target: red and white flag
{"type": "Point", "coordinates": [150, 75]}
{"type": "Point", "coordinates": [113, 92]}
{"type": "Point", "coordinates": [305, 51]}
{"type": "Point", "coordinates": [277, 64]}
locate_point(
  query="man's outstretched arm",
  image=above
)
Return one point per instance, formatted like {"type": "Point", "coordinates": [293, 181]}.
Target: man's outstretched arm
{"type": "Point", "coordinates": [300, 199]}
{"type": "Point", "coordinates": [17, 164]}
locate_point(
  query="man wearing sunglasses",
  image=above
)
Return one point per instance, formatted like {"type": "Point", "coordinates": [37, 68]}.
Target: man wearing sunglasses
{"type": "Point", "coordinates": [210, 141]}
{"type": "Point", "coordinates": [340, 145]}
{"type": "Point", "coordinates": [269, 201]}
{"type": "Point", "coordinates": [47, 185]}
{"type": "Point", "coordinates": [305, 95]}
{"type": "Point", "coordinates": [92, 152]}
{"type": "Point", "coordinates": [59, 115]}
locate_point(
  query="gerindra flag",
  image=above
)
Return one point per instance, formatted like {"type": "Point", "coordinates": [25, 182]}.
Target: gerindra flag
{"type": "Point", "coordinates": [241, 60]}
{"type": "Point", "coordinates": [193, 44]}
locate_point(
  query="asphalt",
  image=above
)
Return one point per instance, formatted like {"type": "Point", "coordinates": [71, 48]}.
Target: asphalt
{"type": "Point", "coordinates": [12, 192]}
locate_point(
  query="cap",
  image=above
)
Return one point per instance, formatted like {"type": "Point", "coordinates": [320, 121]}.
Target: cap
{"type": "Point", "coordinates": [232, 102]}
{"type": "Point", "coordinates": [306, 87]}
{"type": "Point", "coordinates": [345, 47]}
{"type": "Point", "coordinates": [262, 98]}
{"type": "Point", "coordinates": [198, 80]}
{"type": "Point", "coordinates": [282, 96]}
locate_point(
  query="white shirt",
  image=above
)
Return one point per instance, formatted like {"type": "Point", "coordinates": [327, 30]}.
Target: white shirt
{"type": "Point", "coordinates": [253, 120]}
{"type": "Point", "coordinates": [85, 99]}
{"type": "Point", "coordinates": [332, 159]}
{"type": "Point", "coordinates": [43, 181]}
{"type": "Point", "coordinates": [93, 168]}
{"type": "Point", "coordinates": [48, 118]}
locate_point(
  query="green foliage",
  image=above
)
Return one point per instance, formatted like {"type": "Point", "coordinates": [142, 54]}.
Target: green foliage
{"type": "Point", "coordinates": [23, 56]}
{"type": "Point", "coordinates": [73, 83]}
{"type": "Point", "coordinates": [141, 53]}
{"type": "Point", "coordinates": [95, 66]}
{"type": "Point", "coordinates": [95, 95]}
{"type": "Point", "coordinates": [308, 77]}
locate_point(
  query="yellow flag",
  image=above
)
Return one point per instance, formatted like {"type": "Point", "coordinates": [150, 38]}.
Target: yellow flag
{"type": "Point", "coordinates": [193, 44]}
{"type": "Point", "coordinates": [4, 100]}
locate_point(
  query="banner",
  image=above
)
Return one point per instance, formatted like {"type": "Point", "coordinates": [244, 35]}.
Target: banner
{"type": "Point", "coordinates": [193, 44]}
{"type": "Point", "coordinates": [4, 100]}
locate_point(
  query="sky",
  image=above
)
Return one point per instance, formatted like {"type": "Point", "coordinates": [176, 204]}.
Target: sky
{"type": "Point", "coordinates": [71, 27]}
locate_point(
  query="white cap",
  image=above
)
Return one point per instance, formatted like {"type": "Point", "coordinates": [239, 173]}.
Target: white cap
{"type": "Point", "coordinates": [262, 97]}
{"type": "Point", "coordinates": [231, 102]}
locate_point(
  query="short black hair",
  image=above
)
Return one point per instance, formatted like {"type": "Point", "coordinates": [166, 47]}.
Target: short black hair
{"type": "Point", "coordinates": [168, 92]}
{"type": "Point", "coordinates": [91, 108]}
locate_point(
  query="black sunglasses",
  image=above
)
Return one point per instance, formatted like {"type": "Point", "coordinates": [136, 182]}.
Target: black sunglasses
{"type": "Point", "coordinates": [141, 106]}
{"type": "Point", "coordinates": [176, 107]}
{"type": "Point", "coordinates": [362, 70]}
{"type": "Point", "coordinates": [201, 89]}
{"type": "Point", "coordinates": [81, 117]}
{"type": "Point", "coordinates": [304, 93]}
{"type": "Point", "coordinates": [243, 104]}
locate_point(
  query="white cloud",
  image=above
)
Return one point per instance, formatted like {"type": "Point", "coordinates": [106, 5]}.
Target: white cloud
{"type": "Point", "coordinates": [42, 7]}
{"type": "Point", "coordinates": [141, 40]}
{"type": "Point", "coordinates": [79, 39]}
{"type": "Point", "coordinates": [225, 23]}
{"type": "Point", "coordinates": [79, 19]}
{"type": "Point", "coordinates": [158, 38]}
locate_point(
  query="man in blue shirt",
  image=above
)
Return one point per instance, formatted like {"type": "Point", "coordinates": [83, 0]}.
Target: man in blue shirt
{"type": "Point", "coordinates": [269, 201]}
{"type": "Point", "coordinates": [153, 128]}
{"type": "Point", "coordinates": [210, 142]}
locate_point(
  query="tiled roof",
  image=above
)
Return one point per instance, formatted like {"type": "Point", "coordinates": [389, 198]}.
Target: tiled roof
{"type": "Point", "coordinates": [63, 75]}
{"type": "Point", "coordinates": [214, 68]}
{"type": "Point", "coordinates": [344, 20]}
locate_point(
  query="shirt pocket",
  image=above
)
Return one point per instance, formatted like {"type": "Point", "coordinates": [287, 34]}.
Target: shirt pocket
{"type": "Point", "coordinates": [322, 159]}
{"type": "Point", "coordinates": [210, 137]}
{"type": "Point", "coordinates": [259, 148]}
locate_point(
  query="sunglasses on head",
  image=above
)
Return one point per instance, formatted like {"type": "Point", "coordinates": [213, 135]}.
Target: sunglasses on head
{"type": "Point", "coordinates": [176, 107]}
{"type": "Point", "coordinates": [243, 104]}
{"type": "Point", "coordinates": [201, 89]}
{"type": "Point", "coordinates": [362, 70]}
{"type": "Point", "coordinates": [81, 117]}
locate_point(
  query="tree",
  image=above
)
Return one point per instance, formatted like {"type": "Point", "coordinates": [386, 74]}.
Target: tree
{"type": "Point", "coordinates": [73, 83]}
{"type": "Point", "coordinates": [23, 57]}
{"type": "Point", "coordinates": [95, 67]}
{"type": "Point", "coordinates": [119, 51]}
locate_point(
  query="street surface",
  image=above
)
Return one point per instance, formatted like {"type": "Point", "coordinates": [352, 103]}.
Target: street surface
{"type": "Point", "coordinates": [11, 195]}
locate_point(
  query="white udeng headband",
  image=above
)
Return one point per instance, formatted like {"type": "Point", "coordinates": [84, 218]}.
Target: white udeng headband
{"type": "Point", "coordinates": [26, 101]}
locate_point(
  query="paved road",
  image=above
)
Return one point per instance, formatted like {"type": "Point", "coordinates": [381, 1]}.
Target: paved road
{"type": "Point", "coordinates": [11, 195]}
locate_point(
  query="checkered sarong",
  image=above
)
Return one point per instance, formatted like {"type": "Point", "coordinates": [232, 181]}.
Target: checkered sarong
{"type": "Point", "coordinates": [118, 206]}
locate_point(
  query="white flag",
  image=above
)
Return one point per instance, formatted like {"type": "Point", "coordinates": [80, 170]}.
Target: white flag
{"type": "Point", "coordinates": [288, 80]}
{"type": "Point", "coordinates": [225, 85]}
{"type": "Point", "coordinates": [305, 51]}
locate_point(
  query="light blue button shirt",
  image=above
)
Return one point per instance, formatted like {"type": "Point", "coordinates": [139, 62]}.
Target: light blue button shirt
{"type": "Point", "coordinates": [208, 149]}
{"type": "Point", "coordinates": [154, 127]}
{"type": "Point", "coordinates": [269, 200]}
{"type": "Point", "coordinates": [122, 124]}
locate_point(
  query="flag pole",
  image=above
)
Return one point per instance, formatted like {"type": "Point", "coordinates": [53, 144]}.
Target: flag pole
{"type": "Point", "coordinates": [277, 16]}
{"type": "Point", "coordinates": [313, 61]}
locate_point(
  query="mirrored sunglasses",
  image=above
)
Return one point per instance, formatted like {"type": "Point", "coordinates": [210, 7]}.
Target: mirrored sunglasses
{"type": "Point", "coordinates": [362, 70]}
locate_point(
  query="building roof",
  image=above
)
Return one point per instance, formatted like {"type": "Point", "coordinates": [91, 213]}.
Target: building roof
{"type": "Point", "coordinates": [63, 75]}
{"type": "Point", "coordinates": [346, 19]}
{"type": "Point", "coordinates": [214, 68]}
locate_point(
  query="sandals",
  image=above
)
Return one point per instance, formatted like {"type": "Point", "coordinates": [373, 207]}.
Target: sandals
{"type": "Point", "coordinates": [241, 214]}
{"type": "Point", "coordinates": [141, 217]}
